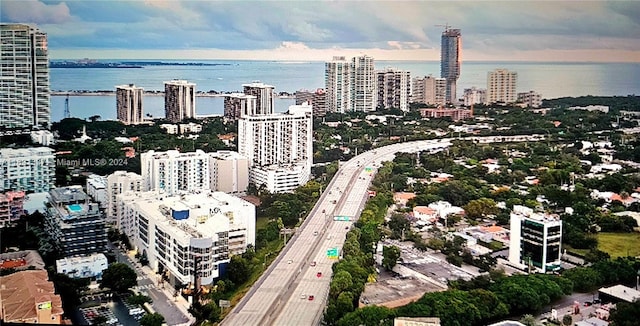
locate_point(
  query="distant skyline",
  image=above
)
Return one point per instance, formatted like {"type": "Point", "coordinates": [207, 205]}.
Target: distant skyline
{"type": "Point", "coordinates": [559, 31]}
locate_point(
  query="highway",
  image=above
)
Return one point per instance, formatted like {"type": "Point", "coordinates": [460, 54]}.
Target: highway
{"type": "Point", "coordinates": [281, 296]}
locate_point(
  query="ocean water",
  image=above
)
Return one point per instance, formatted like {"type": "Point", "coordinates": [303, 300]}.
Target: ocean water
{"type": "Point", "coordinates": [552, 80]}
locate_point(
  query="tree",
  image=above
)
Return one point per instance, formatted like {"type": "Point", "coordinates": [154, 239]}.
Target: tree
{"type": "Point", "coordinates": [154, 319]}
{"type": "Point", "coordinates": [390, 256]}
{"type": "Point", "coordinates": [480, 208]}
{"type": "Point", "coordinates": [625, 314]}
{"type": "Point", "coordinates": [238, 270]}
{"type": "Point", "coordinates": [119, 278]}
{"type": "Point", "coordinates": [529, 320]}
{"type": "Point", "coordinates": [567, 320]}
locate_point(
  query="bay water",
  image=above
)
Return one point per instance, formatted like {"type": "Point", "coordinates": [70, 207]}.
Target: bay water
{"type": "Point", "coordinates": [552, 80]}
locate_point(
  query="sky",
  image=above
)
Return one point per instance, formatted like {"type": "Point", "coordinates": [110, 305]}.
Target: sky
{"type": "Point", "coordinates": [561, 31]}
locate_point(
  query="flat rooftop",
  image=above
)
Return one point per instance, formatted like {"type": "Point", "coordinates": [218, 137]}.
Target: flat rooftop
{"type": "Point", "coordinates": [622, 292]}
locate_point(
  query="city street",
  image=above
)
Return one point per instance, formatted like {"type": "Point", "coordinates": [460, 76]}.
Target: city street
{"type": "Point", "coordinates": [164, 302]}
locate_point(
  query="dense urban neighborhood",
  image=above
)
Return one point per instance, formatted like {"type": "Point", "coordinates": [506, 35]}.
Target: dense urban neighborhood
{"type": "Point", "coordinates": [381, 199]}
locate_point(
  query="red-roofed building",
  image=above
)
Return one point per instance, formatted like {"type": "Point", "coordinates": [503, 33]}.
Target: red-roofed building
{"type": "Point", "coordinates": [29, 297]}
{"type": "Point", "coordinates": [401, 198]}
{"type": "Point", "coordinates": [424, 213]}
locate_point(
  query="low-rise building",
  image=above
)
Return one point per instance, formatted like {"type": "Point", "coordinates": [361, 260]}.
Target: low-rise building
{"type": "Point", "coordinates": [454, 114]}
{"type": "Point", "coordinates": [89, 266]}
{"type": "Point", "coordinates": [535, 240]}
{"type": "Point", "coordinates": [618, 293]}
{"type": "Point", "coordinates": [21, 260]}
{"type": "Point", "coordinates": [11, 207]}
{"type": "Point", "coordinates": [75, 224]}
{"type": "Point", "coordinates": [187, 234]}
{"type": "Point", "coordinates": [530, 99]}
{"type": "Point", "coordinates": [28, 297]}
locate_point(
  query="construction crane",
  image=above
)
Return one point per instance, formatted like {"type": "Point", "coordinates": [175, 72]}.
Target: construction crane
{"type": "Point", "coordinates": [446, 26]}
{"type": "Point", "coordinates": [67, 114]}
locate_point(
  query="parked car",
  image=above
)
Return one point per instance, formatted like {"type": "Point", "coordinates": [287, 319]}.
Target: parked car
{"type": "Point", "coordinates": [311, 298]}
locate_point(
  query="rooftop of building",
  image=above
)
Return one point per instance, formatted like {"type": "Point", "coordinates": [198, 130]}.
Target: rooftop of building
{"type": "Point", "coordinates": [129, 86]}
{"type": "Point", "coordinates": [21, 260]}
{"type": "Point", "coordinates": [529, 213]}
{"type": "Point", "coordinates": [21, 293]}
{"type": "Point", "coordinates": [257, 84]}
{"type": "Point", "coordinates": [88, 259]}
{"type": "Point", "coordinates": [190, 215]}
{"type": "Point", "coordinates": [24, 152]}
{"type": "Point", "coordinates": [97, 181]}
{"type": "Point", "coordinates": [239, 95]}
{"type": "Point", "coordinates": [12, 195]}
{"type": "Point", "coordinates": [391, 292]}
{"type": "Point", "coordinates": [180, 82]}
{"type": "Point", "coordinates": [622, 292]}
{"type": "Point", "coordinates": [68, 194]}
{"type": "Point", "coordinates": [508, 323]}
{"type": "Point", "coordinates": [227, 155]}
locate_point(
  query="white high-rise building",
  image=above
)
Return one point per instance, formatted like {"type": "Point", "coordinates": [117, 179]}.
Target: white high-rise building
{"type": "Point", "coordinates": [229, 172]}
{"type": "Point", "coordinates": [501, 86]}
{"type": "Point", "coordinates": [97, 189]}
{"type": "Point", "coordinates": [28, 169]}
{"type": "Point", "coordinates": [535, 240]}
{"type": "Point", "coordinates": [179, 100]}
{"type": "Point", "coordinates": [429, 90]}
{"type": "Point", "coordinates": [474, 96]}
{"type": "Point", "coordinates": [24, 79]}
{"type": "Point", "coordinates": [237, 105]}
{"type": "Point", "coordinates": [265, 97]}
{"type": "Point", "coordinates": [338, 85]}
{"type": "Point", "coordinates": [279, 148]}
{"type": "Point", "coordinates": [363, 84]}
{"type": "Point", "coordinates": [188, 234]}
{"type": "Point", "coordinates": [119, 182]}
{"type": "Point", "coordinates": [394, 89]}
{"type": "Point", "coordinates": [129, 104]}
{"type": "Point", "coordinates": [172, 171]}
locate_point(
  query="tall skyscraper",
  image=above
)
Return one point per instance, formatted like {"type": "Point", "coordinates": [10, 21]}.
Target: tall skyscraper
{"type": "Point", "coordinates": [363, 84]}
{"type": "Point", "coordinates": [450, 60]}
{"type": "Point", "coordinates": [501, 86]}
{"type": "Point", "coordinates": [337, 85]}
{"type": "Point", "coordinates": [237, 105]}
{"type": "Point", "coordinates": [394, 89]}
{"type": "Point", "coordinates": [317, 100]}
{"type": "Point", "coordinates": [179, 100]}
{"type": "Point", "coordinates": [24, 79]}
{"type": "Point", "coordinates": [279, 148]}
{"type": "Point", "coordinates": [264, 97]}
{"type": "Point", "coordinates": [129, 104]}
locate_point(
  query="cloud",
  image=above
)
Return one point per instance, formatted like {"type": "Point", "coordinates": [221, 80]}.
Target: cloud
{"type": "Point", "coordinates": [499, 28]}
{"type": "Point", "coordinates": [33, 11]}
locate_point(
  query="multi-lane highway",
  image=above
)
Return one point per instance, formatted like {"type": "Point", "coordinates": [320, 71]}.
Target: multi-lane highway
{"type": "Point", "coordinates": [294, 289]}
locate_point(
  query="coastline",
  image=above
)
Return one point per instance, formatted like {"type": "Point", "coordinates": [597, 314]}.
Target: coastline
{"type": "Point", "coordinates": [146, 93]}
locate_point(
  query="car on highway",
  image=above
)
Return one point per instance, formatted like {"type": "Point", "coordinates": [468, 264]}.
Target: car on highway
{"type": "Point", "coordinates": [311, 298]}
{"type": "Point", "coordinates": [303, 296]}
{"type": "Point", "coordinates": [315, 232]}
{"type": "Point", "coordinates": [319, 274]}
{"type": "Point", "coordinates": [313, 264]}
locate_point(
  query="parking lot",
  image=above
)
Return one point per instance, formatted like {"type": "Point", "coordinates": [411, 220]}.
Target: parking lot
{"type": "Point", "coordinates": [112, 312]}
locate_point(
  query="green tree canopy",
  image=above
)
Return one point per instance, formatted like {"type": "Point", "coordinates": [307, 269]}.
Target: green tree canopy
{"type": "Point", "coordinates": [119, 278]}
{"type": "Point", "coordinates": [154, 319]}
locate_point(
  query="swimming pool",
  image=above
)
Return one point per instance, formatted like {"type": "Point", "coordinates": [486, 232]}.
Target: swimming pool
{"type": "Point", "coordinates": [74, 207]}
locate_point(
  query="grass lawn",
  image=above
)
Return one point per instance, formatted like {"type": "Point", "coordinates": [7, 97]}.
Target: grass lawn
{"type": "Point", "coordinates": [619, 244]}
